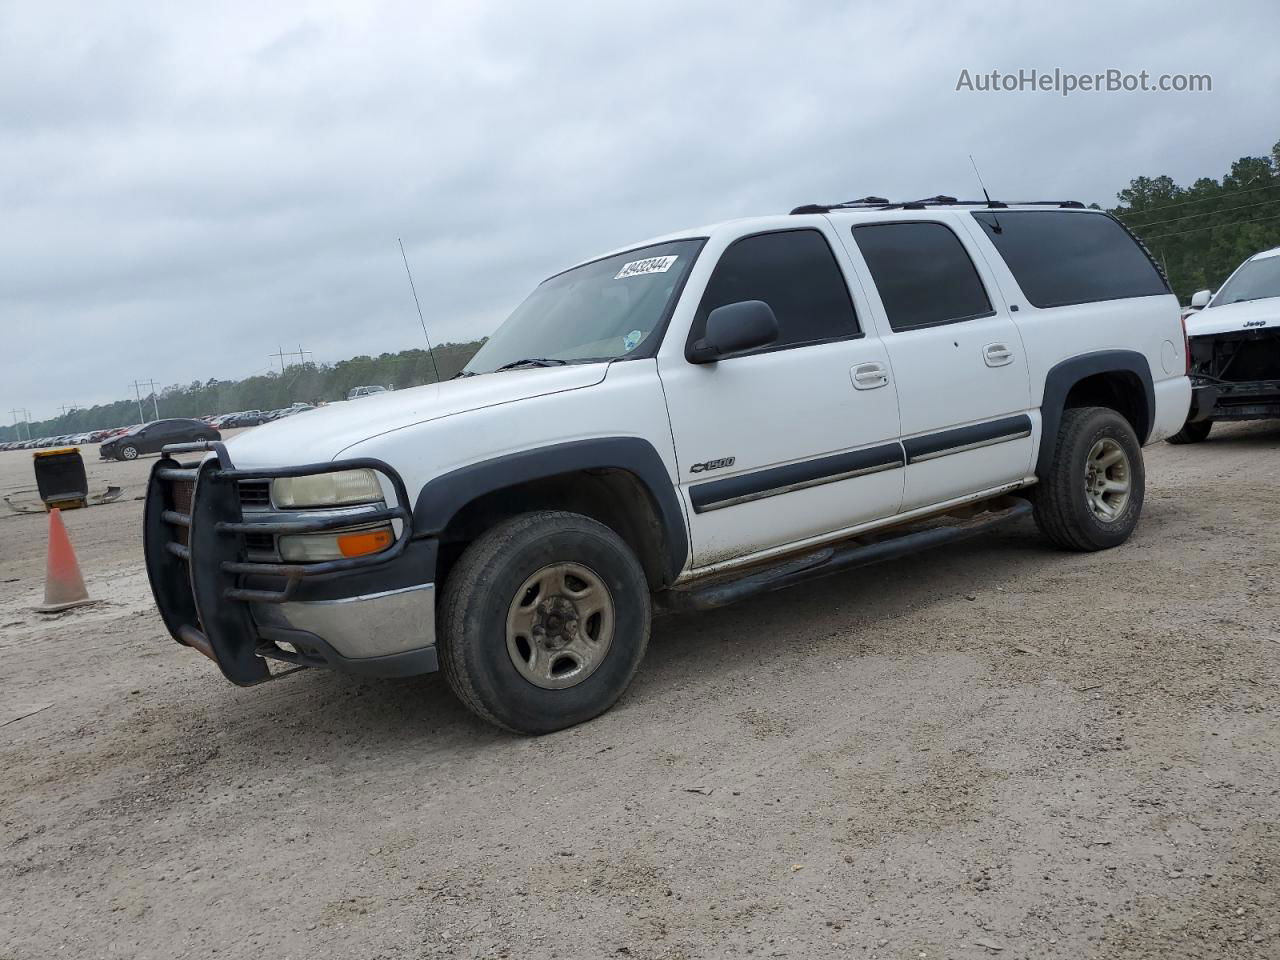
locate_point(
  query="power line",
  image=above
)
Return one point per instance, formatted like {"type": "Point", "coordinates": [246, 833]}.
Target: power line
{"type": "Point", "coordinates": [1206, 213]}
{"type": "Point", "coordinates": [1212, 226]}
{"type": "Point", "coordinates": [1183, 203]}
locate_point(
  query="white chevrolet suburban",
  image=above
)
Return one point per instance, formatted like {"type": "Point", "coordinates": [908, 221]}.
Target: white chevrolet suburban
{"type": "Point", "coordinates": [683, 422]}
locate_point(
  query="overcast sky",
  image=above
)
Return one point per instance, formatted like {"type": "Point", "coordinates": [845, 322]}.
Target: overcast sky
{"type": "Point", "coordinates": [186, 187]}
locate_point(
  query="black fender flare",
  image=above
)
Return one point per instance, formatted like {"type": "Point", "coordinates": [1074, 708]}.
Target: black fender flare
{"type": "Point", "coordinates": [445, 495]}
{"type": "Point", "coordinates": [1067, 373]}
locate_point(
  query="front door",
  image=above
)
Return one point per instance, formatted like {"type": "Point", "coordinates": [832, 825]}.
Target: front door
{"type": "Point", "coordinates": [796, 439]}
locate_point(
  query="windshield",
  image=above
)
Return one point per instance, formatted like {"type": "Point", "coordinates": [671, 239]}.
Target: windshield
{"type": "Point", "coordinates": [1253, 281]}
{"type": "Point", "coordinates": [599, 311]}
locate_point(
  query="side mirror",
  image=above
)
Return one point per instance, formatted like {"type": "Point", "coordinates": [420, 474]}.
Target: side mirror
{"type": "Point", "coordinates": [1200, 298]}
{"type": "Point", "coordinates": [733, 328]}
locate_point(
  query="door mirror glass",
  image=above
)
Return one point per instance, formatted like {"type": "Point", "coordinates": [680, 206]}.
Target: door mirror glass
{"type": "Point", "coordinates": [733, 328]}
{"type": "Point", "coordinates": [1201, 298]}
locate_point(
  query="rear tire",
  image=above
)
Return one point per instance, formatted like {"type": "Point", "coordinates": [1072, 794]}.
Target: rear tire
{"type": "Point", "coordinates": [1192, 432]}
{"type": "Point", "coordinates": [1092, 495]}
{"type": "Point", "coordinates": [543, 622]}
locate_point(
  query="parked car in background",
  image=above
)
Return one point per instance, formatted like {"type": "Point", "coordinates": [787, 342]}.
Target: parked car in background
{"type": "Point", "coordinates": [150, 437]}
{"type": "Point", "coordinates": [355, 393]}
{"type": "Point", "coordinates": [1233, 347]}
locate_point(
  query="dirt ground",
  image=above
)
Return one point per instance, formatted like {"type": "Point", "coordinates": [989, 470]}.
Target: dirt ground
{"type": "Point", "coordinates": [992, 750]}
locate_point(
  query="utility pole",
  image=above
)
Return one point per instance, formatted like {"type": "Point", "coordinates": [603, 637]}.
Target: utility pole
{"type": "Point", "coordinates": [155, 397]}
{"type": "Point", "coordinates": [137, 392]}
{"type": "Point", "coordinates": [280, 355]}
{"type": "Point", "coordinates": [17, 426]}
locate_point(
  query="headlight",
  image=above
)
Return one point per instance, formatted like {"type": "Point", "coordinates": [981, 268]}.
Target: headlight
{"type": "Point", "coordinates": [327, 489]}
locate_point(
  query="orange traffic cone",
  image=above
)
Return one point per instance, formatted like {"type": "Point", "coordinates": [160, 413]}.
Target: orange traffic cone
{"type": "Point", "coordinates": [63, 585]}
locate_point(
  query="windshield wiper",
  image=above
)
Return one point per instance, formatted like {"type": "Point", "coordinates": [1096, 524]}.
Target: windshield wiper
{"type": "Point", "coordinates": [532, 362]}
{"type": "Point", "coordinates": [464, 373]}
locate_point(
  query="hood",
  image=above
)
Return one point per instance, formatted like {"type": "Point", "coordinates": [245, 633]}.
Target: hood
{"type": "Point", "coordinates": [1235, 317]}
{"type": "Point", "coordinates": [322, 434]}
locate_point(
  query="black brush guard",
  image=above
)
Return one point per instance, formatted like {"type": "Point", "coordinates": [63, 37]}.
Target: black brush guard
{"type": "Point", "coordinates": [193, 540]}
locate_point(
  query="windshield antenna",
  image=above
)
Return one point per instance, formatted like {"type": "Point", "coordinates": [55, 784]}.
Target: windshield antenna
{"type": "Point", "coordinates": [422, 320]}
{"type": "Point", "coordinates": [990, 206]}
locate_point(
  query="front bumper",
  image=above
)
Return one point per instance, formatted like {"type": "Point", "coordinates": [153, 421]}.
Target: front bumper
{"type": "Point", "coordinates": [372, 615]}
{"type": "Point", "coordinates": [1223, 400]}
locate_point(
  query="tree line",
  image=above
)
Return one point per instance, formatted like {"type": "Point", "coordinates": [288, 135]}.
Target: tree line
{"type": "Point", "coordinates": [1200, 233]}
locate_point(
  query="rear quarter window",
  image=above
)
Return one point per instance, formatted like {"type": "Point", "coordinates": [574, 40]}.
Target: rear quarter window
{"type": "Point", "coordinates": [1060, 258]}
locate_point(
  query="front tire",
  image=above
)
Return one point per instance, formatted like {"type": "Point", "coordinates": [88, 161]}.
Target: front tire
{"type": "Point", "coordinates": [1192, 432]}
{"type": "Point", "coordinates": [543, 622]}
{"type": "Point", "coordinates": [1092, 495]}
{"type": "Point", "coordinates": [129, 452]}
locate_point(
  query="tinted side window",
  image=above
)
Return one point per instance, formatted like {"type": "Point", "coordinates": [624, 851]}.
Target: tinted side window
{"type": "Point", "coordinates": [795, 273]}
{"type": "Point", "coordinates": [923, 273]}
{"type": "Point", "coordinates": [1060, 258]}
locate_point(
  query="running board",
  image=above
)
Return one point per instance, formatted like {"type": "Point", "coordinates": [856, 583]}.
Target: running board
{"type": "Point", "coordinates": [833, 559]}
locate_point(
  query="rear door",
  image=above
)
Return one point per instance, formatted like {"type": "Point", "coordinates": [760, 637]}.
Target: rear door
{"type": "Point", "coordinates": [963, 389]}
{"type": "Point", "coordinates": [796, 439]}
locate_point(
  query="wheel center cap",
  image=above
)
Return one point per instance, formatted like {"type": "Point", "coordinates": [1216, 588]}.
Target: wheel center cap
{"type": "Point", "coordinates": [557, 622]}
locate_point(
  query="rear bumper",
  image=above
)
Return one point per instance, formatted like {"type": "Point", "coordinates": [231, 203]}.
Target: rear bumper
{"type": "Point", "coordinates": [372, 615]}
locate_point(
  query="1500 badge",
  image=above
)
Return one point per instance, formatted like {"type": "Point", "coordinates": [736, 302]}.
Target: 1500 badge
{"type": "Point", "coordinates": [712, 465]}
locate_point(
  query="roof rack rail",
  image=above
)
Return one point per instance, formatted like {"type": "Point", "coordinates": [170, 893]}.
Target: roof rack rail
{"type": "Point", "coordinates": [879, 203]}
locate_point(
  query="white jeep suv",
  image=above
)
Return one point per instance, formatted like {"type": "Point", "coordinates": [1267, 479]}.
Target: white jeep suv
{"type": "Point", "coordinates": [680, 423]}
{"type": "Point", "coordinates": [1234, 349]}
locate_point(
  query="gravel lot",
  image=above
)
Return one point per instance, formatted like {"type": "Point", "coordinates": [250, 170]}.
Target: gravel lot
{"type": "Point", "coordinates": [992, 750]}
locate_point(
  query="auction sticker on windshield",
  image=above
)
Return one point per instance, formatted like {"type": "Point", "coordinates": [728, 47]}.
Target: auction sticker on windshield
{"type": "Point", "coordinates": [652, 265]}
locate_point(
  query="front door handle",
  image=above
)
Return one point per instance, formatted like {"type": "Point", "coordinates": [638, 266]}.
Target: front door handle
{"type": "Point", "coordinates": [868, 376]}
{"type": "Point", "coordinates": [997, 354]}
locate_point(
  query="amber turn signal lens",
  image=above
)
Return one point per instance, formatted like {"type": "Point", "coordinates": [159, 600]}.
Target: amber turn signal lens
{"type": "Point", "coordinates": [364, 542]}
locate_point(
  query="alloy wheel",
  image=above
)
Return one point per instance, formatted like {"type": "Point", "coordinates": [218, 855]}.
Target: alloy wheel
{"type": "Point", "coordinates": [1107, 479]}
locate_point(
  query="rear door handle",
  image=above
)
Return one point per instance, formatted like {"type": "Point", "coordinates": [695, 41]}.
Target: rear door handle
{"type": "Point", "coordinates": [997, 354]}
{"type": "Point", "coordinates": [868, 376]}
